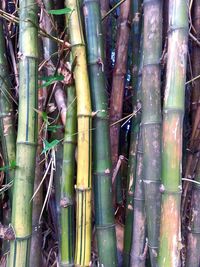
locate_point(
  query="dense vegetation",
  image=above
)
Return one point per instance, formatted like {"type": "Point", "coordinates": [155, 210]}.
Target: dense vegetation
{"type": "Point", "coordinates": [99, 133]}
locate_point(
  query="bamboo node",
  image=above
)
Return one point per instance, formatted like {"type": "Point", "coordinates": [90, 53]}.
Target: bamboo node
{"type": "Point", "coordinates": [162, 188]}
{"type": "Point", "coordinates": [82, 189]}
{"type": "Point", "coordinates": [66, 202]}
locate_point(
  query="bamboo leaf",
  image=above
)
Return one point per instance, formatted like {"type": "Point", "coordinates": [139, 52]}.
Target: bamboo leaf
{"type": "Point", "coordinates": [44, 117]}
{"type": "Point", "coordinates": [8, 167]}
{"type": "Point", "coordinates": [54, 128]}
{"type": "Point", "coordinates": [50, 80]}
{"type": "Point", "coordinates": [48, 146]}
{"type": "Point", "coordinates": [62, 11]}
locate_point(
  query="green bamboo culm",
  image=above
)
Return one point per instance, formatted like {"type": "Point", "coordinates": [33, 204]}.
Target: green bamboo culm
{"type": "Point", "coordinates": [169, 252]}
{"type": "Point", "coordinates": [104, 214]}
{"type": "Point", "coordinates": [67, 182]}
{"type": "Point", "coordinates": [136, 102]}
{"type": "Point", "coordinates": [138, 256]}
{"type": "Point", "coordinates": [27, 135]}
{"type": "Point", "coordinates": [7, 129]}
{"type": "Point", "coordinates": [83, 182]}
{"type": "Point", "coordinates": [151, 120]}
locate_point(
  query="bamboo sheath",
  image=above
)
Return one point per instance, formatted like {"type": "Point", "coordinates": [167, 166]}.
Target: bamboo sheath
{"type": "Point", "coordinates": [83, 185]}
{"type": "Point", "coordinates": [172, 134]}
{"type": "Point", "coordinates": [104, 214]}
{"type": "Point", "coordinates": [27, 135]}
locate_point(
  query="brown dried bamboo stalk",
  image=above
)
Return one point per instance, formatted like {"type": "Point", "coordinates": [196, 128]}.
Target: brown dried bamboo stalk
{"type": "Point", "coordinates": [119, 75]}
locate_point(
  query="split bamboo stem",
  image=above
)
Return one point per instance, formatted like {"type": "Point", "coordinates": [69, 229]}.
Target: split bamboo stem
{"type": "Point", "coordinates": [83, 185]}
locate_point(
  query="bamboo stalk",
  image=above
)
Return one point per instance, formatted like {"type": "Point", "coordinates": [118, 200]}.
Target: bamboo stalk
{"type": "Point", "coordinates": [104, 215]}
{"type": "Point", "coordinates": [106, 29]}
{"type": "Point", "coordinates": [193, 238]}
{"type": "Point", "coordinates": [191, 157]}
{"type": "Point", "coordinates": [136, 120]}
{"type": "Point", "coordinates": [7, 128]}
{"type": "Point", "coordinates": [138, 256]}
{"type": "Point", "coordinates": [172, 133]}
{"type": "Point", "coordinates": [27, 135]}
{"type": "Point", "coordinates": [83, 186]}
{"type": "Point", "coordinates": [119, 75]}
{"type": "Point", "coordinates": [67, 182]}
{"type": "Point", "coordinates": [36, 240]}
{"type": "Point", "coordinates": [195, 59]}
{"type": "Point", "coordinates": [151, 120]}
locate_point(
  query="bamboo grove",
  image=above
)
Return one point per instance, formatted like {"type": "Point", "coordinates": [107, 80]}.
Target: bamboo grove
{"type": "Point", "coordinates": [99, 133]}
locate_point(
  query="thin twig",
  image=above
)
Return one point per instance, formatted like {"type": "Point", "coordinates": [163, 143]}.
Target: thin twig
{"type": "Point", "coordinates": [112, 9]}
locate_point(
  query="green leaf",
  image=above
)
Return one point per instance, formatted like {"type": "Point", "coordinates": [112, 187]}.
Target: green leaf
{"type": "Point", "coordinates": [45, 117]}
{"type": "Point", "coordinates": [54, 128]}
{"type": "Point", "coordinates": [50, 80]}
{"type": "Point", "coordinates": [62, 11]}
{"type": "Point", "coordinates": [13, 164]}
{"type": "Point", "coordinates": [8, 167]}
{"type": "Point", "coordinates": [48, 146]}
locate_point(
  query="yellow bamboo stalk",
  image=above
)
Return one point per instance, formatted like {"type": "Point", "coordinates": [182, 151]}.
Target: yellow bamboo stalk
{"type": "Point", "coordinates": [83, 186]}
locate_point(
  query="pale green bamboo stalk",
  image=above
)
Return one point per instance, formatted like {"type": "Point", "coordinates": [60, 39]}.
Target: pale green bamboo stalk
{"type": "Point", "coordinates": [7, 128]}
{"type": "Point", "coordinates": [151, 120]}
{"type": "Point", "coordinates": [67, 182]}
{"type": "Point", "coordinates": [169, 250]}
{"type": "Point", "coordinates": [27, 135]}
